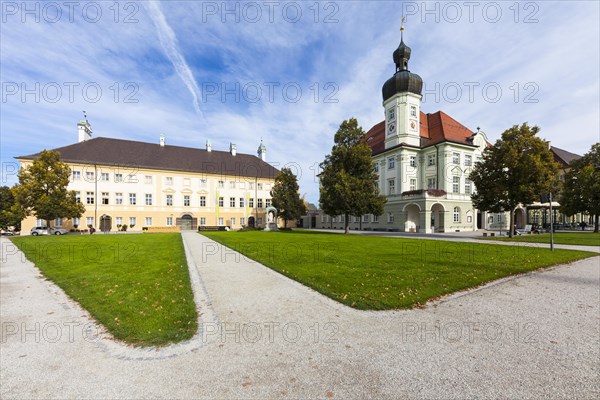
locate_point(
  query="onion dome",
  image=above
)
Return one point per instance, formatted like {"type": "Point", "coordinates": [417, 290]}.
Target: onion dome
{"type": "Point", "coordinates": [403, 80]}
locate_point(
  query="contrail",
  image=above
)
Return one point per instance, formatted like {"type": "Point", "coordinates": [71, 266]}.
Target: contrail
{"type": "Point", "coordinates": [168, 41]}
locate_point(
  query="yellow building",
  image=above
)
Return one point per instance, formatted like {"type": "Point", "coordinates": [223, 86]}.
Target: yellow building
{"type": "Point", "coordinates": [161, 187]}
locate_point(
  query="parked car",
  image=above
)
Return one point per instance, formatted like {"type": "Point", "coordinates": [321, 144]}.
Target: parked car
{"type": "Point", "coordinates": [42, 230]}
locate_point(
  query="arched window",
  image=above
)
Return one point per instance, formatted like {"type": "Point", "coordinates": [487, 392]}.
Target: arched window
{"type": "Point", "coordinates": [456, 214]}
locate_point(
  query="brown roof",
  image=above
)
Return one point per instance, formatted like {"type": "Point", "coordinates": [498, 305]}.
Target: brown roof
{"type": "Point", "coordinates": [128, 153]}
{"type": "Point", "coordinates": [563, 157]}
{"type": "Point", "coordinates": [435, 128]}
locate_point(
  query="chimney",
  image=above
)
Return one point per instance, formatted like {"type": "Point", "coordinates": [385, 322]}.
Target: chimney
{"type": "Point", "coordinates": [84, 130]}
{"type": "Point", "coordinates": [262, 151]}
{"type": "Point", "coordinates": [208, 146]}
{"type": "Point", "coordinates": [233, 149]}
{"type": "Point", "coordinates": [162, 140]}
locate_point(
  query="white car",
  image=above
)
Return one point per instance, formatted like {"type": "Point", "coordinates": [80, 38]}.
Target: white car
{"type": "Point", "coordinates": [42, 230]}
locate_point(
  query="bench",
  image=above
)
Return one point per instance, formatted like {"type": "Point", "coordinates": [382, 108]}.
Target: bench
{"type": "Point", "coordinates": [526, 230]}
{"type": "Point", "coordinates": [212, 228]}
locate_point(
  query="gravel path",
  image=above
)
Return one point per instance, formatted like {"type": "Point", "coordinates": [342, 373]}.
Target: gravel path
{"type": "Point", "coordinates": [264, 336]}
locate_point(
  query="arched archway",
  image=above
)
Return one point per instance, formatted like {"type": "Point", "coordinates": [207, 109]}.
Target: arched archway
{"type": "Point", "coordinates": [413, 213]}
{"type": "Point", "coordinates": [187, 222]}
{"type": "Point", "coordinates": [437, 217]}
{"type": "Point", "coordinates": [251, 222]}
{"type": "Point", "coordinates": [105, 223]}
{"type": "Point", "coordinates": [520, 218]}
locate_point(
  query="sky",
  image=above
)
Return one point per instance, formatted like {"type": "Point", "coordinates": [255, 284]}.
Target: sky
{"type": "Point", "coordinates": [288, 73]}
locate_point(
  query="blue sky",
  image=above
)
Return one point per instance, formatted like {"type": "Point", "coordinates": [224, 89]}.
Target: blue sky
{"type": "Point", "coordinates": [193, 71]}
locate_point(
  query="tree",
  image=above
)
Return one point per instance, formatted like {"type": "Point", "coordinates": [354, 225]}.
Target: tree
{"type": "Point", "coordinates": [42, 189]}
{"type": "Point", "coordinates": [581, 186]}
{"type": "Point", "coordinates": [10, 215]}
{"type": "Point", "coordinates": [516, 170]}
{"type": "Point", "coordinates": [348, 181]}
{"type": "Point", "coordinates": [285, 196]}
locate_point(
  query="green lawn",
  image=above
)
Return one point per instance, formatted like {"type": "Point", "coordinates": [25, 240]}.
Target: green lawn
{"type": "Point", "coordinates": [137, 286]}
{"type": "Point", "coordinates": [377, 273]}
{"type": "Point", "coordinates": [576, 238]}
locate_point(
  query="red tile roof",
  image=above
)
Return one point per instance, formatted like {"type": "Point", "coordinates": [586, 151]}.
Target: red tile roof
{"type": "Point", "coordinates": [435, 128]}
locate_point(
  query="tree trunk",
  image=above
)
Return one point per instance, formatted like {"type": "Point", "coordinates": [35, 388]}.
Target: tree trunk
{"type": "Point", "coordinates": [512, 222]}
{"type": "Point", "coordinates": [596, 222]}
{"type": "Point", "coordinates": [346, 225]}
{"type": "Point", "coordinates": [47, 223]}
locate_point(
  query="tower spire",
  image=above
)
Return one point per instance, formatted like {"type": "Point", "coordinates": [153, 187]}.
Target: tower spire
{"type": "Point", "coordinates": [402, 28]}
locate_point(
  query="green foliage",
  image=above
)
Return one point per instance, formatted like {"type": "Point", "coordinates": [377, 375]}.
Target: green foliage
{"type": "Point", "coordinates": [581, 186]}
{"type": "Point", "coordinates": [516, 170]}
{"type": "Point", "coordinates": [10, 214]}
{"type": "Point", "coordinates": [285, 196]}
{"type": "Point", "coordinates": [137, 286]}
{"type": "Point", "coordinates": [383, 273]}
{"type": "Point", "coordinates": [42, 189]}
{"type": "Point", "coordinates": [348, 181]}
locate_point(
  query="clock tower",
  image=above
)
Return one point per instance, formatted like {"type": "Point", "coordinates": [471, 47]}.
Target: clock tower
{"type": "Point", "coordinates": [402, 102]}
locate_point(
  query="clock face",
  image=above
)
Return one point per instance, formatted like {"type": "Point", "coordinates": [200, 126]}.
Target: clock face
{"type": "Point", "coordinates": [413, 125]}
{"type": "Point", "coordinates": [392, 127]}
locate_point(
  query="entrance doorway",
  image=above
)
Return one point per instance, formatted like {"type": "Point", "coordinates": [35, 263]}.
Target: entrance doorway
{"type": "Point", "coordinates": [105, 223]}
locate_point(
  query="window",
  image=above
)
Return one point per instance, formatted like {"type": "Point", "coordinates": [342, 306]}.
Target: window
{"type": "Point", "coordinates": [132, 221]}
{"type": "Point", "coordinates": [105, 198]}
{"type": "Point", "coordinates": [148, 221]}
{"type": "Point", "coordinates": [251, 185]}
{"type": "Point", "coordinates": [202, 201]}
{"type": "Point", "coordinates": [169, 180]}
{"type": "Point", "coordinates": [260, 203]}
{"type": "Point", "coordinates": [132, 199]}
{"type": "Point", "coordinates": [456, 158]}
{"type": "Point", "coordinates": [186, 181]}
{"type": "Point", "coordinates": [89, 197]}
{"type": "Point", "coordinates": [251, 203]}
{"type": "Point", "coordinates": [456, 184]}
{"type": "Point", "coordinates": [221, 201]}
{"type": "Point", "coordinates": [169, 201]}
{"type": "Point", "coordinates": [390, 217]}
{"type": "Point", "coordinates": [242, 202]}
{"type": "Point", "coordinates": [202, 221]}
{"type": "Point", "coordinates": [366, 218]}
{"type": "Point", "coordinates": [413, 161]}
{"type": "Point", "coordinates": [148, 199]}
{"type": "Point", "coordinates": [40, 222]}
{"type": "Point", "coordinates": [259, 186]}
{"type": "Point", "coordinates": [118, 178]}
{"type": "Point", "coordinates": [89, 221]}
{"type": "Point", "coordinates": [76, 175]}
{"type": "Point", "coordinates": [391, 186]}
{"type": "Point", "coordinates": [242, 185]}
{"type": "Point", "coordinates": [76, 222]}
{"type": "Point", "coordinates": [220, 184]}
{"type": "Point", "coordinates": [220, 221]}
{"type": "Point", "coordinates": [231, 184]}
{"type": "Point", "coordinates": [322, 218]}
{"type": "Point", "coordinates": [478, 159]}
{"type": "Point", "coordinates": [232, 222]}
{"type": "Point", "coordinates": [169, 221]}
{"type": "Point", "coordinates": [118, 198]}
{"type": "Point", "coordinates": [58, 222]}
{"type": "Point", "coordinates": [119, 221]}
{"type": "Point", "coordinates": [259, 221]}
{"type": "Point", "coordinates": [456, 217]}
{"type": "Point", "coordinates": [468, 160]}
{"type": "Point", "coordinates": [268, 203]}
{"type": "Point", "coordinates": [186, 200]}
{"type": "Point", "coordinates": [468, 186]}
{"type": "Point", "coordinates": [232, 202]}
{"type": "Point", "coordinates": [391, 114]}
{"type": "Point", "coordinates": [202, 182]}
{"type": "Point", "coordinates": [413, 111]}
{"type": "Point", "coordinates": [242, 221]}
{"type": "Point", "coordinates": [104, 177]}
{"type": "Point", "coordinates": [89, 176]}
{"type": "Point", "coordinates": [78, 196]}
{"type": "Point", "coordinates": [268, 186]}
{"type": "Point", "coordinates": [148, 179]}
{"type": "Point", "coordinates": [376, 167]}
{"type": "Point", "coordinates": [431, 159]}
{"type": "Point", "coordinates": [375, 218]}
{"type": "Point", "coordinates": [391, 163]}
{"type": "Point", "coordinates": [413, 184]}
{"type": "Point", "coordinates": [431, 183]}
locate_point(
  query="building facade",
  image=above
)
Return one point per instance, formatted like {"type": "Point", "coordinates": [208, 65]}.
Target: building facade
{"type": "Point", "coordinates": [423, 162]}
{"type": "Point", "coordinates": [157, 187]}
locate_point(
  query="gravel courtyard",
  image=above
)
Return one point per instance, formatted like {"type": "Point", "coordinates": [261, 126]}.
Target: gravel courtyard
{"type": "Point", "coordinates": [264, 336]}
